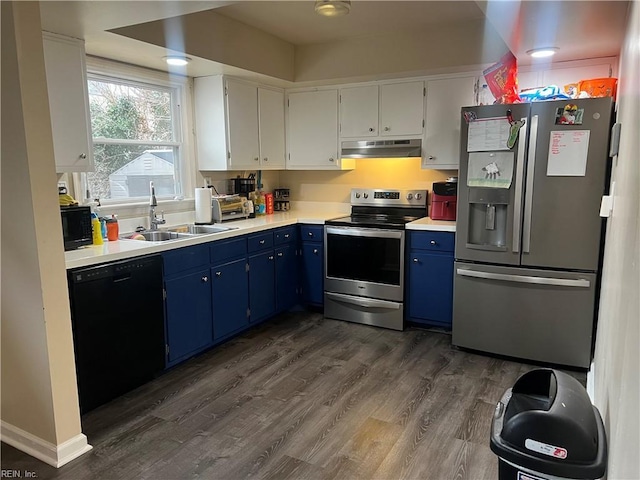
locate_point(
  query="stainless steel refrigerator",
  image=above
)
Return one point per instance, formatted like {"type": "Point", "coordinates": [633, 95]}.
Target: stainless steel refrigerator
{"type": "Point", "coordinates": [528, 232]}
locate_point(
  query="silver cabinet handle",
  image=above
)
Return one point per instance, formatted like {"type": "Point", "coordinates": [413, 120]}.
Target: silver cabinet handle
{"type": "Point", "coordinates": [433, 242]}
{"type": "Point", "coordinates": [331, 159]}
{"type": "Point", "coordinates": [261, 242]}
{"type": "Point", "coordinates": [270, 257]}
{"type": "Point", "coordinates": [266, 159]}
{"type": "Point", "coordinates": [205, 279]}
{"type": "Point", "coordinates": [315, 251]}
{"type": "Point", "coordinates": [83, 156]}
{"type": "Point", "coordinates": [256, 159]}
{"type": "Point", "coordinates": [431, 157]}
{"type": "Point", "coordinates": [557, 282]}
{"type": "Point", "coordinates": [517, 206]}
{"type": "Point", "coordinates": [531, 168]}
{"type": "Point", "coordinates": [371, 129]}
{"type": "Point", "coordinates": [286, 235]}
{"type": "Point", "coordinates": [415, 260]}
{"type": "Point", "coordinates": [310, 234]}
{"type": "Point", "coordinates": [386, 129]}
{"type": "Point", "coordinates": [280, 254]}
{"type": "Point", "coordinates": [218, 274]}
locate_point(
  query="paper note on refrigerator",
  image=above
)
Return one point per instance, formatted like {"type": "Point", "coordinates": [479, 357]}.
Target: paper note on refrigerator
{"type": "Point", "coordinates": [490, 169]}
{"type": "Point", "coordinates": [487, 134]}
{"type": "Point", "coordinates": [568, 151]}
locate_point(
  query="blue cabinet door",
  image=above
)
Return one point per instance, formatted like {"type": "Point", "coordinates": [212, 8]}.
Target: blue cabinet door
{"type": "Point", "coordinates": [312, 272]}
{"type": "Point", "coordinates": [230, 294]}
{"type": "Point", "coordinates": [431, 288]}
{"type": "Point", "coordinates": [262, 291]}
{"type": "Point", "coordinates": [286, 277]}
{"type": "Point", "coordinates": [188, 311]}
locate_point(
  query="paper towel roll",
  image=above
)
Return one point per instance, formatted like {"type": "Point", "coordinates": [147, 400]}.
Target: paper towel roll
{"type": "Point", "coordinates": [203, 205]}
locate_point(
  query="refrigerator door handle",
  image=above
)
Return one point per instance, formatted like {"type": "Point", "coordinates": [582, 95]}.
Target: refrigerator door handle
{"type": "Point", "coordinates": [556, 282]}
{"type": "Point", "coordinates": [531, 167]}
{"type": "Point", "coordinates": [517, 207]}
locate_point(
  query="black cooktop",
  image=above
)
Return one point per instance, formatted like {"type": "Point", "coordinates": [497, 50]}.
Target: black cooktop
{"type": "Point", "coordinates": [393, 221]}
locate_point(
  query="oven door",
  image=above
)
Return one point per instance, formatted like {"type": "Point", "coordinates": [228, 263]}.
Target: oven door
{"type": "Point", "coordinates": [367, 262]}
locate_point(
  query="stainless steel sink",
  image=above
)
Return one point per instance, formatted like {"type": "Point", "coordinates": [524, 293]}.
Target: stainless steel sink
{"type": "Point", "coordinates": [201, 229]}
{"type": "Point", "coordinates": [160, 235]}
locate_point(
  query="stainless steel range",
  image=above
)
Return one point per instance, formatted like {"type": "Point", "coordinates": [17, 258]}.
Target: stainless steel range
{"type": "Point", "coordinates": [364, 257]}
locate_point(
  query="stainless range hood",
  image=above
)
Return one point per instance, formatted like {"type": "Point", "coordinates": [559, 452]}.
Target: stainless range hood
{"type": "Point", "coordinates": [381, 149]}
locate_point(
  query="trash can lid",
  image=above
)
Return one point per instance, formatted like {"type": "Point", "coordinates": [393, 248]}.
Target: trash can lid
{"type": "Point", "coordinates": [546, 424]}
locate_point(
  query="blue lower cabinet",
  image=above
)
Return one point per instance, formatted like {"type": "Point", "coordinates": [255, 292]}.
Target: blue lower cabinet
{"type": "Point", "coordinates": [312, 273]}
{"type": "Point", "coordinates": [188, 315]}
{"type": "Point", "coordinates": [286, 277]}
{"type": "Point", "coordinates": [430, 279]}
{"type": "Point", "coordinates": [230, 294]}
{"type": "Point", "coordinates": [262, 291]}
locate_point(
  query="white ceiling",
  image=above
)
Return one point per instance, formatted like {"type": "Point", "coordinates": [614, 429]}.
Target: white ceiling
{"type": "Point", "coordinates": [581, 29]}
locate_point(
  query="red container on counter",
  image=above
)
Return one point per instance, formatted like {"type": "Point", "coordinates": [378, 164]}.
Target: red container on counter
{"type": "Point", "coordinates": [444, 200]}
{"type": "Point", "coordinates": [268, 200]}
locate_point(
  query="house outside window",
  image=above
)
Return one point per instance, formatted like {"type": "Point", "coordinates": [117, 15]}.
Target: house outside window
{"type": "Point", "coordinates": [136, 122]}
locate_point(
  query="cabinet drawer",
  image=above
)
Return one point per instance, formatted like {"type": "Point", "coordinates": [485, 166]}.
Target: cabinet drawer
{"type": "Point", "coordinates": [285, 235]}
{"type": "Point", "coordinates": [313, 233]}
{"type": "Point", "coordinates": [437, 241]}
{"type": "Point", "coordinates": [223, 251]}
{"type": "Point", "coordinates": [260, 241]}
{"type": "Point", "coordinates": [184, 259]}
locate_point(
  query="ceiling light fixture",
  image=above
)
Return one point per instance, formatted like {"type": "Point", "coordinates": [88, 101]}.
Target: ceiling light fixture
{"type": "Point", "coordinates": [542, 52]}
{"type": "Point", "coordinates": [333, 8]}
{"type": "Point", "coordinates": [177, 60]}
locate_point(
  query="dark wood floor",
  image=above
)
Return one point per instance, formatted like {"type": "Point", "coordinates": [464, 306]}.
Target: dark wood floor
{"type": "Point", "coordinates": [302, 397]}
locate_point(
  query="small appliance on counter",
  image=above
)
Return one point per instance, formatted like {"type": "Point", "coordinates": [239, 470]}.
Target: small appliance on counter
{"type": "Point", "coordinates": [229, 207]}
{"type": "Point", "coordinates": [242, 186]}
{"type": "Point", "coordinates": [444, 200]}
{"type": "Point", "coordinates": [76, 226]}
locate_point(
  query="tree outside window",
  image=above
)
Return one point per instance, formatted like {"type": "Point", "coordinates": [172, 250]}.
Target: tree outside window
{"type": "Point", "coordinates": [135, 140]}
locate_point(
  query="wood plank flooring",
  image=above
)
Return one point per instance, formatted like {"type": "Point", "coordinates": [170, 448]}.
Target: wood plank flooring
{"type": "Point", "coordinates": [302, 397]}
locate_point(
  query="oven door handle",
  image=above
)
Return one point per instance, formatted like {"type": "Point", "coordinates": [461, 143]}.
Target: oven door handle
{"type": "Point", "coordinates": [363, 302]}
{"type": "Point", "coordinates": [364, 232]}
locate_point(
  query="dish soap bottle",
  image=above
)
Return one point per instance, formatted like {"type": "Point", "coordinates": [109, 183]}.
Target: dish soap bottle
{"type": "Point", "coordinates": [96, 228]}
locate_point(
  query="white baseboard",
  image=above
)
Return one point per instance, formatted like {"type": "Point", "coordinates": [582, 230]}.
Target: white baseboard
{"type": "Point", "coordinates": [54, 455]}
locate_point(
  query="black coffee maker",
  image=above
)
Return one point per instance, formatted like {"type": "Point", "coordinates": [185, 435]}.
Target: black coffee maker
{"type": "Point", "coordinates": [242, 186]}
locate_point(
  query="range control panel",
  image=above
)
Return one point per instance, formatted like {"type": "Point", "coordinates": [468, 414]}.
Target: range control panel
{"type": "Point", "coordinates": [388, 198]}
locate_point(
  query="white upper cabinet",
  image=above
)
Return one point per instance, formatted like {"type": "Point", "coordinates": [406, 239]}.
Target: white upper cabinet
{"type": "Point", "coordinates": [564, 73]}
{"type": "Point", "coordinates": [445, 98]}
{"type": "Point", "coordinates": [242, 125]}
{"type": "Point", "coordinates": [393, 109]}
{"type": "Point", "coordinates": [66, 72]}
{"type": "Point", "coordinates": [402, 109]}
{"type": "Point", "coordinates": [239, 125]}
{"type": "Point", "coordinates": [312, 134]}
{"type": "Point", "coordinates": [359, 112]}
{"type": "Point", "coordinates": [271, 127]}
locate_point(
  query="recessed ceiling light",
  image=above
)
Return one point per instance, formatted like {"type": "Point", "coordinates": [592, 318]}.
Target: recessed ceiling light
{"type": "Point", "coordinates": [177, 60]}
{"type": "Point", "coordinates": [332, 8]}
{"type": "Point", "coordinates": [542, 52]}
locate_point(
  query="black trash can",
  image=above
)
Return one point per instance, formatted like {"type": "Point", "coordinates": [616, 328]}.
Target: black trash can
{"type": "Point", "coordinates": [545, 428]}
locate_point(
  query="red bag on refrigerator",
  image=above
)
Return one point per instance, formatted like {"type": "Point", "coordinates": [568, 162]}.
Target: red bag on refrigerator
{"type": "Point", "coordinates": [502, 79]}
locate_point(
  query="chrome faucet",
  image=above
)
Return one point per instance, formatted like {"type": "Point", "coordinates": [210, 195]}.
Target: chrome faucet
{"type": "Point", "coordinates": [154, 221]}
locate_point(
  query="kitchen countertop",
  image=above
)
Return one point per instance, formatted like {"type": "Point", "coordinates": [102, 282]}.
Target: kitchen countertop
{"type": "Point", "coordinates": [427, 223]}
{"type": "Point", "coordinates": [123, 249]}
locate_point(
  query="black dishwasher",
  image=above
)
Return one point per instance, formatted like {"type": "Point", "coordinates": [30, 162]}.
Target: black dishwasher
{"type": "Point", "coordinates": [117, 314]}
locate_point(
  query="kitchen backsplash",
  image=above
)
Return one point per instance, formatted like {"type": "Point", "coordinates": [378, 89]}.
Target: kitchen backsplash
{"type": "Point", "coordinates": [335, 186]}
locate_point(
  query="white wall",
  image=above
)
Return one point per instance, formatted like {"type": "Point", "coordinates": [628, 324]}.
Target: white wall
{"type": "Point", "coordinates": [617, 362]}
{"type": "Point", "coordinates": [39, 396]}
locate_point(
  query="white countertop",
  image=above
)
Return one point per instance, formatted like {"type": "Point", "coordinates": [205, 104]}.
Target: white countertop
{"type": "Point", "coordinates": [123, 249]}
{"type": "Point", "coordinates": [427, 223]}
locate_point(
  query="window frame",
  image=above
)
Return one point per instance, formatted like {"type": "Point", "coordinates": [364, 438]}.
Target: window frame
{"type": "Point", "coordinates": [181, 88]}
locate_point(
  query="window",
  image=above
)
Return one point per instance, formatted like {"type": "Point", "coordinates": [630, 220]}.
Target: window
{"type": "Point", "coordinates": [136, 139]}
